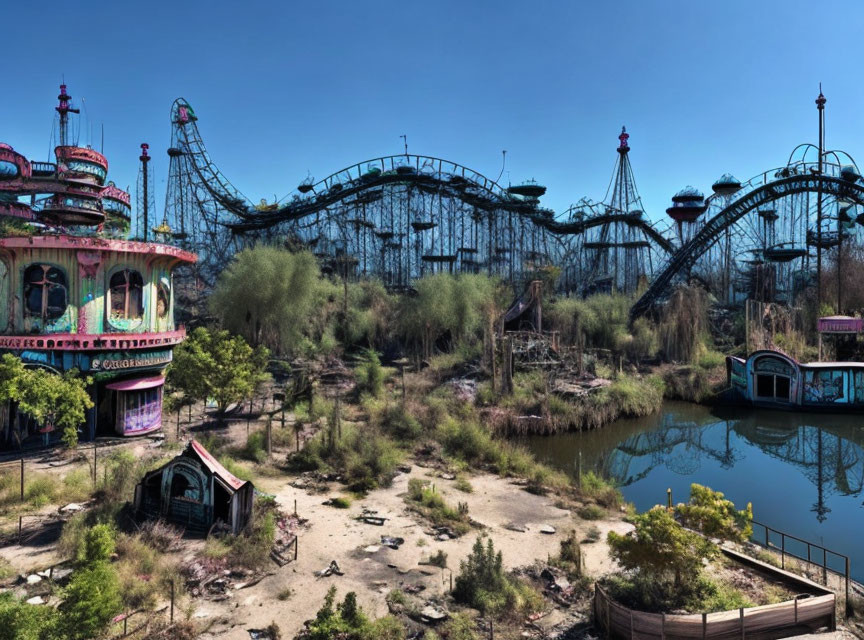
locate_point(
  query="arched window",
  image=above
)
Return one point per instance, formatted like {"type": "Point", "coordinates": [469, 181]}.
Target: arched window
{"type": "Point", "coordinates": [44, 291]}
{"type": "Point", "coordinates": [163, 298]}
{"type": "Point", "coordinates": [127, 295]}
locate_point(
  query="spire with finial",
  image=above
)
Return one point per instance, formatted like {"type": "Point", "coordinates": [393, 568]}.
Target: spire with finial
{"type": "Point", "coordinates": [623, 147]}
{"type": "Point", "coordinates": [820, 101]}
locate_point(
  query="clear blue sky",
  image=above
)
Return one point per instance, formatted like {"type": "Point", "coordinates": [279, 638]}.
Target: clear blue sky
{"type": "Point", "coordinates": [285, 87]}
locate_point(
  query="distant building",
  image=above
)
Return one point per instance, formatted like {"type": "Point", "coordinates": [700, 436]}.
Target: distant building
{"type": "Point", "coordinates": [195, 492]}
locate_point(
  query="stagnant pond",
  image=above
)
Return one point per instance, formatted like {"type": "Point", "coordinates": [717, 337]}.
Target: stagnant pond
{"type": "Point", "coordinates": [803, 472]}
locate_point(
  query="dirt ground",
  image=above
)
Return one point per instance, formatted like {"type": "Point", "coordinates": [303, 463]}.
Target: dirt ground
{"type": "Point", "coordinates": [334, 534]}
{"type": "Point", "coordinates": [499, 507]}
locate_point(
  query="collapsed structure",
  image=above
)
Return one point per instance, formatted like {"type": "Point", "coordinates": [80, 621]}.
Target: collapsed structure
{"type": "Point", "coordinates": [195, 492]}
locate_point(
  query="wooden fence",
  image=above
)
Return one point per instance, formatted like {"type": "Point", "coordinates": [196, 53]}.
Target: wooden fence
{"type": "Point", "coordinates": [804, 613]}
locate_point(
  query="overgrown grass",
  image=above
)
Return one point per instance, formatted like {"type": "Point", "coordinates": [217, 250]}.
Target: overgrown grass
{"type": "Point", "coordinates": [366, 459]}
{"type": "Point", "coordinates": [251, 548]}
{"type": "Point", "coordinates": [601, 490]}
{"type": "Point", "coordinates": [41, 489]}
{"type": "Point", "coordinates": [428, 502]}
{"type": "Point", "coordinates": [591, 512]}
{"type": "Point", "coordinates": [687, 383]}
{"type": "Point", "coordinates": [469, 442]}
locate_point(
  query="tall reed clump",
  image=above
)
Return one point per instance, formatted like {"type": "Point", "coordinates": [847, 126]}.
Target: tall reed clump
{"type": "Point", "coordinates": [684, 324]}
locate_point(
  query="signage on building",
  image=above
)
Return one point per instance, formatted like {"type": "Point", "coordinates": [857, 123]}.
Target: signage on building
{"type": "Point", "coordinates": [123, 360]}
{"type": "Point", "coordinates": [840, 325]}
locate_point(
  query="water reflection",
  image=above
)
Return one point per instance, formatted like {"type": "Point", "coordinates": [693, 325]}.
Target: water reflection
{"type": "Point", "coordinates": [803, 472]}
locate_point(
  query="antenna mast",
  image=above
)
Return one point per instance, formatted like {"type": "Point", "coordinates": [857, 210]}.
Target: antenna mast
{"type": "Point", "coordinates": [64, 109]}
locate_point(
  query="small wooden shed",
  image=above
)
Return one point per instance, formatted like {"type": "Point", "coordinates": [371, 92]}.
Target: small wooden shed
{"type": "Point", "coordinates": [195, 491]}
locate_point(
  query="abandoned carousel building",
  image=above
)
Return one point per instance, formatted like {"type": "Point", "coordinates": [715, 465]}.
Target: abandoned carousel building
{"type": "Point", "coordinates": [76, 293]}
{"type": "Point", "coordinates": [196, 492]}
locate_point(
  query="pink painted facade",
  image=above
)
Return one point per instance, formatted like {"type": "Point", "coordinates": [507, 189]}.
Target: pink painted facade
{"type": "Point", "coordinates": [77, 293]}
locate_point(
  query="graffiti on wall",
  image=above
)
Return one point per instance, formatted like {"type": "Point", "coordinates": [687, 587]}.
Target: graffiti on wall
{"type": "Point", "coordinates": [824, 385]}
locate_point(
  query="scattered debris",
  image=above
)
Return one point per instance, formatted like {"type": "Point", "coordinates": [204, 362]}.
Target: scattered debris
{"type": "Point", "coordinates": [370, 516]}
{"type": "Point", "coordinates": [547, 529]}
{"type": "Point", "coordinates": [464, 389]}
{"type": "Point", "coordinates": [34, 579]}
{"type": "Point", "coordinates": [332, 569]}
{"type": "Point", "coordinates": [35, 600]}
{"type": "Point", "coordinates": [69, 509]}
{"type": "Point", "coordinates": [372, 548]}
{"type": "Point", "coordinates": [431, 614]}
{"type": "Point", "coordinates": [393, 543]}
{"type": "Point", "coordinates": [519, 528]}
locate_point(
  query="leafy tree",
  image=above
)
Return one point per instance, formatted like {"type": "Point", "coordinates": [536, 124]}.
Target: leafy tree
{"type": "Point", "coordinates": [90, 600]}
{"type": "Point", "coordinates": [52, 399]}
{"type": "Point", "coordinates": [447, 306]}
{"type": "Point", "coordinates": [270, 296]}
{"type": "Point", "coordinates": [661, 550]}
{"type": "Point", "coordinates": [215, 364]}
{"type": "Point", "coordinates": [711, 513]}
{"type": "Point", "coordinates": [11, 372]}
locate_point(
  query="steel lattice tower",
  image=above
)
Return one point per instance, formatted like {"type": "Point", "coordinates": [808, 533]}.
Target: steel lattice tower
{"type": "Point", "coordinates": [145, 199]}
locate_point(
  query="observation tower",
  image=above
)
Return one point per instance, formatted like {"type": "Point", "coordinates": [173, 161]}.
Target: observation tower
{"type": "Point", "coordinates": [77, 293]}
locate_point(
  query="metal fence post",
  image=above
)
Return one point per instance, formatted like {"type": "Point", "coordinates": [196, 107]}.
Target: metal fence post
{"type": "Point", "coordinates": [704, 626]}
{"type": "Point", "coordinates": [741, 617]}
{"type": "Point", "coordinates": [782, 550]}
{"type": "Point", "coordinates": [662, 626]}
{"type": "Point", "coordinates": [172, 601]}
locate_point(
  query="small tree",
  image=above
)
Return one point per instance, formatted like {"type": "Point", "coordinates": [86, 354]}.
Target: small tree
{"type": "Point", "coordinates": [370, 373]}
{"type": "Point", "coordinates": [55, 400]}
{"type": "Point", "coordinates": [481, 576]}
{"type": "Point", "coordinates": [346, 620]}
{"type": "Point", "coordinates": [90, 601]}
{"type": "Point", "coordinates": [711, 513]}
{"type": "Point", "coordinates": [661, 550]}
{"type": "Point", "coordinates": [218, 365]}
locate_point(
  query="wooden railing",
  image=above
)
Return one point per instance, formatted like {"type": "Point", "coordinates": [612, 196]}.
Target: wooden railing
{"type": "Point", "coordinates": [617, 621]}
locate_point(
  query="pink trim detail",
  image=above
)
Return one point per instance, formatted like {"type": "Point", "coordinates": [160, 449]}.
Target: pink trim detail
{"type": "Point", "coordinates": [94, 342]}
{"type": "Point", "coordinates": [215, 466]}
{"type": "Point", "coordinates": [102, 244]}
{"type": "Point", "coordinates": [135, 385]}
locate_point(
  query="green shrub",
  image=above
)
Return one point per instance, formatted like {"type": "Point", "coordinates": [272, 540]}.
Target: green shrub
{"type": "Point", "coordinates": [431, 504]}
{"type": "Point", "coordinates": [463, 484]}
{"type": "Point", "coordinates": [438, 559]}
{"type": "Point", "coordinates": [593, 534]}
{"type": "Point", "coordinates": [90, 600]}
{"type": "Point", "coordinates": [662, 554]}
{"type": "Point", "coordinates": [711, 360]}
{"type": "Point", "coordinates": [22, 621]}
{"type": "Point", "coordinates": [483, 584]}
{"type": "Point", "coordinates": [369, 374]}
{"type": "Point", "coordinates": [340, 502]}
{"type": "Point", "coordinates": [256, 447]}
{"type": "Point", "coordinates": [591, 512]}
{"type": "Point", "coordinates": [711, 513]}
{"type": "Point", "coordinates": [460, 626]}
{"type": "Point", "coordinates": [99, 544]}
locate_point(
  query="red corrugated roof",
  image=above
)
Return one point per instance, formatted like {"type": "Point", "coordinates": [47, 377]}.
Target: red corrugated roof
{"type": "Point", "coordinates": [216, 467]}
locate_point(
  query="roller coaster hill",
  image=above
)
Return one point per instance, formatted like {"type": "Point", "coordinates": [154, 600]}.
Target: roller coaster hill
{"type": "Point", "coordinates": [400, 217]}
